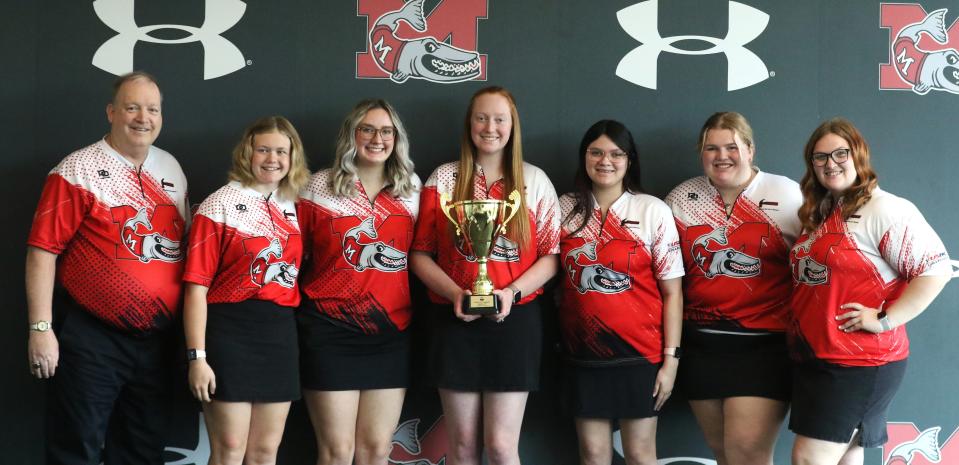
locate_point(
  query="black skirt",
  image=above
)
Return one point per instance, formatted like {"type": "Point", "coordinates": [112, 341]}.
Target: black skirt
{"type": "Point", "coordinates": [484, 355]}
{"type": "Point", "coordinates": [337, 358]}
{"type": "Point", "coordinates": [610, 392]}
{"type": "Point", "coordinates": [830, 402]}
{"type": "Point", "coordinates": [251, 346]}
{"type": "Point", "coordinates": [718, 366]}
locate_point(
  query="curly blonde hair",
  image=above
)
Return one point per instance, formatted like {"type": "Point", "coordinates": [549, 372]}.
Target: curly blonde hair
{"type": "Point", "coordinates": [399, 166]}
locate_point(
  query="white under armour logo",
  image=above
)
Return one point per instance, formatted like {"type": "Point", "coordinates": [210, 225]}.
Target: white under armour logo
{"type": "Point", "coordinates": [641, 22]}
{"type": "Point", "coordinates": [220, 56]}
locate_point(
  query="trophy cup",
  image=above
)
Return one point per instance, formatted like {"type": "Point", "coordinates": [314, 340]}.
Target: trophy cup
{"type": "Point", "coordinates": [480, 222]}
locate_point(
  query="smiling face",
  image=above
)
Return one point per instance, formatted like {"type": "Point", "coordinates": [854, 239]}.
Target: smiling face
{"type": "Point", "coordinates": [606, 163]}
{"type": "Point", "coordinates": [491, 124]}
{"type": "Point", "coordinates": [135, 118]}
{"type": "Point", "coordinates": [372, 149]}
{"type": "Point", "coordinates": [270, 161]}
{"type": "Point", "coordinates": [835, 177]}
{"type": "Point", "coordinates": [727, 160]}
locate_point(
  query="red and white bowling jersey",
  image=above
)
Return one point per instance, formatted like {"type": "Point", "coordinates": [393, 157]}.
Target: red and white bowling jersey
{"type": "Point", "coordinates": [611, 305]}
{"type": "Point", "coordinates": [245, 246]}
{"type": "Point", "coordinates": [117, 229]}
{"type": "Point", "coordinates": [868, 259]}
{"type": "Point", "coordinates": [507, 260]}
{"type": "Point", "coordinates": [737, 265]}
{"type": "Point", "coordinates": [357, 269]}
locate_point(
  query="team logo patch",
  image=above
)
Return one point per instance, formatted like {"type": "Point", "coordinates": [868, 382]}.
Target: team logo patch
{"type": "Point", "coordinates": [362, 255]}
{"type": "Point", "coordinates": [592, 276]}
{"type": "Point", "coordinates": [715, 256]}
{"type": "Point", "coordinates": [922, 49]}
{"type": "Point", "coordinates": [144, 237]}
{"type": "Point", "coordinates": [641, 21]}
{"type": "Point", "coordinates": [909, 446]}
{"type": "Point", "coordinates": [407, 42]}
{"type": "Point", "coordinates": [805, 268]}
{"type": "Point", "coordinates": [220, 56]}
{"type": "Point", "coordinates": [504, 250]}
{"type": "Point", "coordinates": [428, 449]}
{"type": "Point", "coordinates": [267, 265]}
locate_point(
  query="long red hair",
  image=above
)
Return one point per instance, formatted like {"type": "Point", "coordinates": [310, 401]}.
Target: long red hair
{"type": "Point", "coordinates": [818, 204]}
{"type": "Point", "coordinates": [519, 229]}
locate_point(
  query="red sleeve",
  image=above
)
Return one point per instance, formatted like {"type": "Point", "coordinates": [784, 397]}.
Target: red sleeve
{"type": "Point", "coordinates": [424, 237]}
{"type": "Point", "coordinates": [304, 216]}
{"type": "Point", "coordinates": [204, 254]}
{"type": "Point", "coordinates": [59, 214]}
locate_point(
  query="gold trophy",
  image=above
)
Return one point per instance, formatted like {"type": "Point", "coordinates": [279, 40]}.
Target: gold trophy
{"type": "Point", "coordinates": [480, 222]}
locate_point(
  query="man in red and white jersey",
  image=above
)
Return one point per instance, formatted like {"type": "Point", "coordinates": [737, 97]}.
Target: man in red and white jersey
{"type": "Point", "coordinates": [107, 234]}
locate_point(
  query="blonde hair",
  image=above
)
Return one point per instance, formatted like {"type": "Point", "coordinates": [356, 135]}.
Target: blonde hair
{"type": "Point", "coordinates": [299, 172]}
{"type": "Point", "coordinates": [732, 121]}
{"type": "Point", "coordinates": [519, 231]}
{"type": "Point", "coordinates": [399, 166]}
{"type": "Point", "coordinates": [817, 201]}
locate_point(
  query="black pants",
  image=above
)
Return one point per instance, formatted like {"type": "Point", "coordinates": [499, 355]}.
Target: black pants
{"type": "Point", "coordinates": [110, 390]}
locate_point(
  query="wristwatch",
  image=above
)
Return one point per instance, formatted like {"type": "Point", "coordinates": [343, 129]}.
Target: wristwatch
{"type": "Point", "coordinates": [517, 294]}
{"type": "Point", "coordinates": [675, 352]}
{"type": "Point", "coordinates": [884, 322]}
{"type": "Point", "coordinates": [41, 326]}
{"type": "Point", "coordinates": [193, 354]}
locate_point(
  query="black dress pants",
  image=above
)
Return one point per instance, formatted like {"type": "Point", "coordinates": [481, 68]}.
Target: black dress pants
{"type": "Point", "coordinates": [111, 392]}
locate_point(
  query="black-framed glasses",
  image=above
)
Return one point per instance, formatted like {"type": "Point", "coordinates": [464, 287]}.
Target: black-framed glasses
{"type": "Point", "coordinates": [839, 156]}
{"type": "Point", "coordinates": [614, 155]}
{"type": "Point", "coordinates": [369, 132]}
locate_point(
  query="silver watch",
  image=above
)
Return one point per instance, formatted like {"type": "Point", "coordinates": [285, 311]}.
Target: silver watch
{"type": "Point", "coordinates": [41, 326]}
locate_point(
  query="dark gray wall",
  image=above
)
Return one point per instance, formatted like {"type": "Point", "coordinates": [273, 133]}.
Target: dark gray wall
{"type": "Point", "coordinates": [559, 59]}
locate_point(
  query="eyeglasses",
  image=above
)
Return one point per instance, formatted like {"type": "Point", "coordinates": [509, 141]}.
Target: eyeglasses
{"type": "Point", "coordinates": [614, 155]}
{"type": "Point", "coordinates": [839, 156]}
{"type": "Point", "coordinates": [369, 132]}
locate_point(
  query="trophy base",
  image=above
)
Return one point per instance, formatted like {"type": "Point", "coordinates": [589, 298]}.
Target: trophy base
{"type": "Point", "coordinates": [480, 305]}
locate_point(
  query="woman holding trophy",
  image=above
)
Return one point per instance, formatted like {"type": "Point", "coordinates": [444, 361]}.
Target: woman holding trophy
{"type": "Point", "coordinates": [484, 272]}
{"type": "Point", "coordinates": [621, 310]}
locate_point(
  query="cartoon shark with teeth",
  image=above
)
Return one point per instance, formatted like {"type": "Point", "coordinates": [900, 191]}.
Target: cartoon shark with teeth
{"type": "Point", "coordinates": [926, 70]}
{"type": "Point", "coordinates": [806, 270]}
{"type": "Point", "coordinates": [594, 277]}
{"type": "Point", "coordinates": [263, 272]}
{"type": "Point", "coordinates": [425, 58]}
{"type": "Point", "coordinates": [926, 444]}
{"type": "Point", "coordinates": [151, 246]}
{"type": "Point", "coordinates": [503, 250]}
{"type": "Point", "coordinates": [377, 255]}
{"type": "Point", "coordinates": [723, 262]}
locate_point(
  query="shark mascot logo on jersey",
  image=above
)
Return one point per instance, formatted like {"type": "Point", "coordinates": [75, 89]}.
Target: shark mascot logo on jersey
{"type": "Point", "coordinates": [376, 255]}
{"type": "Point", "coordinates": [806, 270]}
{"type": "Point", "coordinates": [148, 245]}
{"type": "Point", "coordinates": [711, 254]}
{"type": "Point", "coordinates": [593, 277]}
{"type": "Point", "coordinates": [425, 58]}
{"type": "Point", "coordinates": [503, 250]}
{"type": "Point", "coordinates": [263, 271]}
